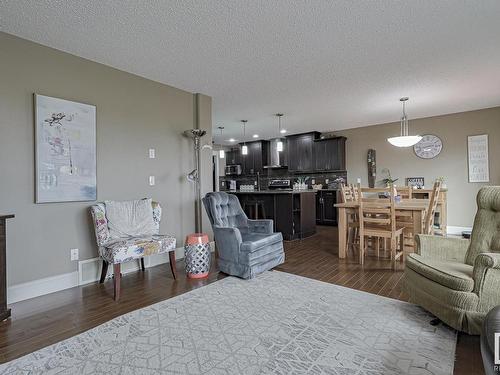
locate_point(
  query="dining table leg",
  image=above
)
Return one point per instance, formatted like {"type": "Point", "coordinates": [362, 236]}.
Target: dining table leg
{"type": "Point", "coordinates": [342, 227]}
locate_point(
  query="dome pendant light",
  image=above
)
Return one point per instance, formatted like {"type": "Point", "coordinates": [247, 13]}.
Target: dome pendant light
{"type": "Point", "coordinates": [404, 140]}
{"type": "Point", "coordinates": [222, 153]}
{"type": "Point", "coordinates": [244, 148]}
{"type": "Point", "coordinates": [279, 144]}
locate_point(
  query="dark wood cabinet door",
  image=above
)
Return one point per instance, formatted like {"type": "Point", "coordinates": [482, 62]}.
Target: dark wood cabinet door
{"type": "Point", "coordinates": [329, 210]}
{"type": "Point", "coordinates": [319, 208]}
{"type": "Point", "coordinates": [306, 153]}
{"type": "Point", "coordinates": [320, 156]}
{"type": "Point", "coordinates": [329, 154]}
{"type": "Point", "coordinates": [300, 152]}
{"type": "Point", "coordinates": [293, 153]}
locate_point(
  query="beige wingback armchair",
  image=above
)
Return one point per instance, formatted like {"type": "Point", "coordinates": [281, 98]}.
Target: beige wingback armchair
{"type": "Point", "coordinates": [455, 279]}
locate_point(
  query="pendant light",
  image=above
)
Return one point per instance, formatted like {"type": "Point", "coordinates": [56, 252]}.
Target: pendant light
{"type": "Point", "coordinates": [279, 144]}
{"type": "Point", "coordinates": [222, 153]}
{"type": "Point", "coordinates": [404, 140]}
{"type": "Point", "coordinates": [244, 148]}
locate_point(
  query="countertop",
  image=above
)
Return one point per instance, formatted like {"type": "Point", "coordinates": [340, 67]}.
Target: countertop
{"type": "Point", "coordinates": [272, 191]}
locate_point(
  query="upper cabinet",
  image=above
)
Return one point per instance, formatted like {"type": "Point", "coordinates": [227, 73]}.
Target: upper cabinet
{"type": "Point", "coordinates": [329, 154]}
{"type": "Point", "coordinates": [305, 152]}
{"type": "Point", "coordinates": [233, 156]}
{"type": "Point", "coordinates": [300, 149]}
{"type": "Point", "coordinates": [256, 158]}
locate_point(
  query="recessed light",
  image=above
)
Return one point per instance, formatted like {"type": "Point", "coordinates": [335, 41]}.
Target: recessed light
{"type": "Point", "coordinates": [232, 140]}
{"type": "Point", "coordinates": [283, 131]}
{"type": "Point", "coordinates": [255, 136]}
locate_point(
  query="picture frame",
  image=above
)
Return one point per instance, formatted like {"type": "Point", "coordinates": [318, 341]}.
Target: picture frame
{"type": "Point", "coordinates": [415, 182]}
{"type": "Point", "coordinates": [65, 150]}
{"type": "Point", "coordinates": [478, 158]}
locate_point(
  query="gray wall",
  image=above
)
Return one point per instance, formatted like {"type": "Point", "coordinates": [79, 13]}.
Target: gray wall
{"type": "Point", "coordinates": [451, 163]}
{"type": "Point", "coordinates": [133, 115]}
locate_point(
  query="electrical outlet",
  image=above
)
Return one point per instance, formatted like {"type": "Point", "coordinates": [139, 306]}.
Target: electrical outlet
{"type": "Point", "coordinates": [74, 254]}
{"type": "Point", "coordinates": [151, 180]}
{"type": "Point", "coordinates": [152, 153]}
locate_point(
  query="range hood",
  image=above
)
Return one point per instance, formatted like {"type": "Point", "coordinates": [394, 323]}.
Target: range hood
{"type": "Point", "coordinates": [277, 159]}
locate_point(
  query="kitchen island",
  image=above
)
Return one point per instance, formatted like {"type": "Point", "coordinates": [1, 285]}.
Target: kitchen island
{"type": "Point", "coordinates": [293, 211]}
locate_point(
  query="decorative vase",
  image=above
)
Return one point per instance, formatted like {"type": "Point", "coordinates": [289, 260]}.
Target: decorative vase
{"type": "Point", "coordinates": [197, 255]}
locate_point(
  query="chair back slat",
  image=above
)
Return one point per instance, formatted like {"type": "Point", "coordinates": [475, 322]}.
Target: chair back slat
{"type": "Point", "coordinates": [431, 210]}
{"type": "Point", "coordinates": [405, 192]}
{"type": "Point", "coordinates": [378, 211]}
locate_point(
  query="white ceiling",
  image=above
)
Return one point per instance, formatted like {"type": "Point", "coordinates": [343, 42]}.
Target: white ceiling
{"type": "Point", "coordinates": [327, 65]}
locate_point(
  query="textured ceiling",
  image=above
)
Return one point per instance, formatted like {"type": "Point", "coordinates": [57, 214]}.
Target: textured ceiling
{"type": "Point", "coordinates": [327, 65]}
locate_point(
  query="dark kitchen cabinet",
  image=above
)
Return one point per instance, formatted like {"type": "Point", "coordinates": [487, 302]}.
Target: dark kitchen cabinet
{"type": "Point", "coordinates": [329, 154]}
{"type": "Point", "coordinates": [300, 152]}
{"type": "Point", "coordinates": [256, 158]}
{"type": "Point", "coordinates": [326, 213]}
{"type": "Point", "coordinates": [233, 156]}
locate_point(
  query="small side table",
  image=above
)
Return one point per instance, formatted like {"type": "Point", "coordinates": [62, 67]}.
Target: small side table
{"type": "Point", "coordinates": [197, 255]}
{"type": "Point", "coordinates": [4, 311]}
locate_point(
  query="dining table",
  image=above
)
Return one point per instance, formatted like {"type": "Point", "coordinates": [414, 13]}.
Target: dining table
{"type": "Point", "coordinates": [414, 209]}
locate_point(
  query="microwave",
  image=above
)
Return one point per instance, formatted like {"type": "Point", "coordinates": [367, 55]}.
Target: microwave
{"type": "Point", "coordinates": [233, 170]}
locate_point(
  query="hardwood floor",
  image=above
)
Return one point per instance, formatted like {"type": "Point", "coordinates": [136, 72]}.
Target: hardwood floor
{"type": "Point", "coordinates": [45, 320]}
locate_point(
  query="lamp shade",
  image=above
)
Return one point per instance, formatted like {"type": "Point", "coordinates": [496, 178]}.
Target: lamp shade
{"type": "Point", "coordinates": [404, 141]}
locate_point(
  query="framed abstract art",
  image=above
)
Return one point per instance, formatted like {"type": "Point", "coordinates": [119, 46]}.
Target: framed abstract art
{"type": "Point", "coordinates": [65, 150]}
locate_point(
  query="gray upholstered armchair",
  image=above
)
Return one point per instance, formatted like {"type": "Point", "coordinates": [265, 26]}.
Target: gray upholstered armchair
{"type": "Point", "coordinates": [455, 279]}
{"type": "Point", "coordinates": [245, 247]}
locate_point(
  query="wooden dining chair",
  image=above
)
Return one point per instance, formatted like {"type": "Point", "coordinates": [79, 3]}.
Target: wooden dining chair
{"type": "Point", "coordinates": [349, 194]}
{"type": "Point", "coordinates": [377, 219]}
{"type": "Point", "coordinates": [405, 218]}
{"type": "Point", "coordinates": [431, 210]}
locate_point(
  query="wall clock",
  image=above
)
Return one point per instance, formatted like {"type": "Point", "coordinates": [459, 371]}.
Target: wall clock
{"type": "Point", "coordinates": [429, 147]}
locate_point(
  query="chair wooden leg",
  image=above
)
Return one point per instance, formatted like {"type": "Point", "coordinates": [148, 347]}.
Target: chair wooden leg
{"type": "Point", "coordinates": [117, 278]}
{"type": "Point", "coordinates": [142, 264]}
{"type": "Point", "coordinates": [393, 252]}
{"type": "Point", "coordinates": [104, 271]}
{"type": "Point", "coordinates": [361, 250]}
{"type": "Point", "coordinates": [173, 268]}
{"type": "Point", "coordinates": [402, 248]}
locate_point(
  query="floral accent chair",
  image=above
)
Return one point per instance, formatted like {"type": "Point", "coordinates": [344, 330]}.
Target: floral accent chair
{"type": "Point", "coordinates": [116, 251]}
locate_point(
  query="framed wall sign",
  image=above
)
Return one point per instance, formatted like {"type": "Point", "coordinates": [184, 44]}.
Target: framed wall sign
{"type": "Point", "coordinates": [478, 160]}
{"type": "Point", "coordinates": [65, 150]}
{"type": "Point", "coordinates": [417, 182]}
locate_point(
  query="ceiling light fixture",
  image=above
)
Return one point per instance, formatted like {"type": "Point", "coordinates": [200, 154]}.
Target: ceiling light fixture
{"type": "Point", "coordinates": [244, 148]}
{"type": "Point", "coordinates": [404, 140]}
{"type": "Point", "coordinates": [279, 144]}
{"type": "Point", "coordinates": [255, 136]}
{"type": "Point", "coordinates": [222, 153]}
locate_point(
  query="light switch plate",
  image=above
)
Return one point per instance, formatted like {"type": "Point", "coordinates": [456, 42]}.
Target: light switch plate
{"type": "Point", "coordinates": [152, 153]}
{"type": "Point", "coordinates": [74, 254]}
{"type": "Point", "coordinates": [151, 180]}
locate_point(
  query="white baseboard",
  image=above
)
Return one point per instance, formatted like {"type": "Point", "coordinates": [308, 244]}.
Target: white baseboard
{"type": "Point", "coordinates": [89, 270]}
{"type": "Point", "coordinates": [40, 287]}
{"type": "Point", "coordinates": [457, 231]}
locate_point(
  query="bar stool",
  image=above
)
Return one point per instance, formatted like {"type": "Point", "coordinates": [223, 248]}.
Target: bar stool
{"type": "Point", "coordinates": [254, 206]}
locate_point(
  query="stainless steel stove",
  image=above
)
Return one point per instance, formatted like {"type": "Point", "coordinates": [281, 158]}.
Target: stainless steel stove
{"type": "Point", "coordinates": [280, 184]}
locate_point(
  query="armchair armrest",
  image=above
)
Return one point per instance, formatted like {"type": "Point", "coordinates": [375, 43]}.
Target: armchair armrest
{"type": "Point", "coordinates": [486, 276]}
{"type": "Point", "coordinates": [442, 248]}
{"type": "Point", "coordinates": [228, 241]}
{"type": "Point", "coordinates": [264, 226]}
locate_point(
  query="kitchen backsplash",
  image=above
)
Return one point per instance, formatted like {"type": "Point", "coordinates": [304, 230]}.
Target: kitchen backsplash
{"type": "Point", "coordinates": [272, 174]}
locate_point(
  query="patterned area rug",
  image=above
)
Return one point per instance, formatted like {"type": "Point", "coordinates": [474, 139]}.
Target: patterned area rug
{"type": "Point", "coordinates": [277, 323]}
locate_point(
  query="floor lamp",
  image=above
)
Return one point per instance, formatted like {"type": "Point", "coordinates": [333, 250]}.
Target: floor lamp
{"type": "Point", "coordinates": [195, 175]}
